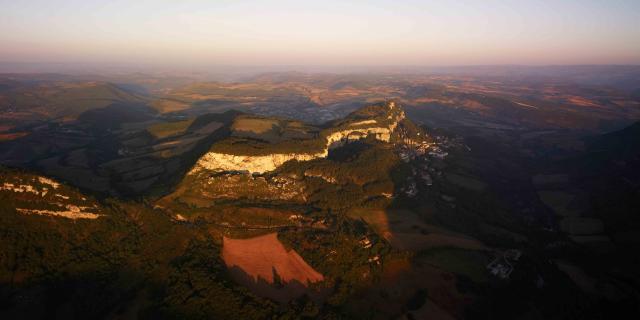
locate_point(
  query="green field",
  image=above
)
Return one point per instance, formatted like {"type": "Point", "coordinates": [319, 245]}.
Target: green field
{"type": "Point", "coordinates": [167, 129]}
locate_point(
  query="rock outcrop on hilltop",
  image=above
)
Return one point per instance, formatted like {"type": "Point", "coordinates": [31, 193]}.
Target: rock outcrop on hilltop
{"type": "Point", "coordinates": [353, 128]}
{"type": "Point", "coordinates": [255, 164]}
{"type": "Point", "coordinates": [32, 194]}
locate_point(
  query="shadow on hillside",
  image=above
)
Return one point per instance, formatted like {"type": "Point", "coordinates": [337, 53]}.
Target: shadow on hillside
{"type": "Point", "coordinates": [90, 295]}
{"type": "Point", "coordinates": [278, 290]}
{"type": "Point", "coordinates": [95, 155]}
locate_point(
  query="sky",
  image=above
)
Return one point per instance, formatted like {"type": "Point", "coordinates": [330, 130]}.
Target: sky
{"type": "Point", "coordinates": [328, 32]}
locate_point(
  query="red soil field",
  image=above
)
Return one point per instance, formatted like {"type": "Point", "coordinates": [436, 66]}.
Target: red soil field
{"type": "Point", "coordinates": [259, 256]}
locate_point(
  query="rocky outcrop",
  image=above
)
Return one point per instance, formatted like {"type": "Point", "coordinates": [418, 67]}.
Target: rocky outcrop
{"type": "Point", "coordinates": [255, 164]}
{"type": "Point", "coordinates": [339, 138]}
{"type": "Point", "coordinates": [244, 186]}
{"type": "Point", "coordinates": [216, 161]}
{"type": "Point", "coordinates": [38, 195]}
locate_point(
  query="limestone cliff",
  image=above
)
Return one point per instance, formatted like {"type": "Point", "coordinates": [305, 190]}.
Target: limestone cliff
{"type": "Point", "coordinates": [334, 137]}
{"type": "Point", "coordinates": [255, 164]}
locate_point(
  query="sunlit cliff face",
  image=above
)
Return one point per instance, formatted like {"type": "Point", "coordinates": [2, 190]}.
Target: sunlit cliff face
{"type": "Point", "coordinates": [215, 161]}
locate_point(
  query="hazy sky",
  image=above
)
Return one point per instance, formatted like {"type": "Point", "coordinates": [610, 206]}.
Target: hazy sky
{"type": "Point", "coordinates": [328, 32]}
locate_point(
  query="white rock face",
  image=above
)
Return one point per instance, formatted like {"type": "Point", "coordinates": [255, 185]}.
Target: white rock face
{"type": "Point", "coordinates": [48, 181]}
{"type": "Point", "coordinates": [28, 184]}
{"type": "Point", "coordinates": [364, 122]}
{"type": "Point", "coordinates": [71, 212]}
{"type": "Point", "coordinates": [339, 138]}
{"type": "Point", "coordinates": [215, 161]}
{"type": "Point", "coordinates": [254, 164]}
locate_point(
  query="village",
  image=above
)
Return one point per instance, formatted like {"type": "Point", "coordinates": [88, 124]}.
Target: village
{"type": "Point", "coordinates": [424, 155]}
{"type": "Point", "coordinates": [503, 265]}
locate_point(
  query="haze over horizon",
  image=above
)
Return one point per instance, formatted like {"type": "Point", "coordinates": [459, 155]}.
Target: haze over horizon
{"type": "Point", "coordinates": [331, 33]}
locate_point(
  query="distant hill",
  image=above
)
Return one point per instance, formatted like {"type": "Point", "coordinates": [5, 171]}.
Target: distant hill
{"type": "Point", "coordinates": [21, 102]}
